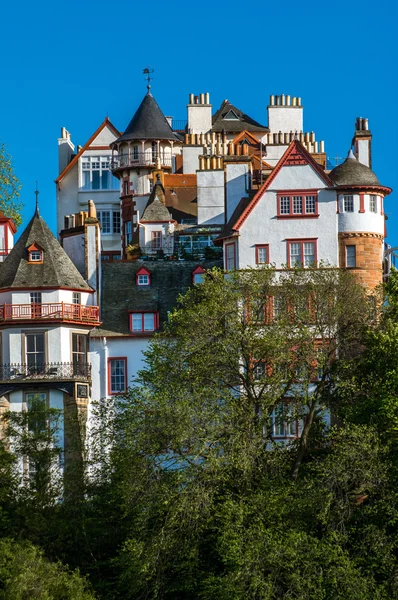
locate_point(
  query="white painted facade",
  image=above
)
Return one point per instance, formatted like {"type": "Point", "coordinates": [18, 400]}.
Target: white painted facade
{"type": "Point", "coordinates": [199, 118]}
{"type": "Point", "coordinates": [237, 185]}
{"type": "Point", "coordinates": [210, 186]}
{"type": "Point", "coordinates": [285, 119]}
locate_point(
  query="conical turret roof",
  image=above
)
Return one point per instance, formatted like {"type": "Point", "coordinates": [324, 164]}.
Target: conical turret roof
{"type": "Point", "coordinates": [56, 271]}
{"type": "Point", "coordinates": [148, 123]}
{"type": "Point", "coordinates": [156, 210]}
{"type": "Point", "coordinates": [351, 172]}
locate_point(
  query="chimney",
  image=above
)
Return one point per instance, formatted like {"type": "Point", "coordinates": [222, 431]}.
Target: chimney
{"type": "Point", "coordinates": [285, 114]}
{"type": "Point", "coordinates": [199, 113]}
{"type": "Point", "coordinates": [65, 149]}
{"type": "Point", "coordinates": [362, 142]}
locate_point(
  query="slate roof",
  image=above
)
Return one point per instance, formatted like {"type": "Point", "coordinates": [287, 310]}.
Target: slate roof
{"type": "Point", "coordinates": [148, 123]}
{"type": "Point", "coordinates": [168, 280]}
{"type": "Point", "coordinates": [244, 122]}
{"type": "Point", "coordinates": [56, 271]}
{"type": "Point", "coordinates": [352, 172]}
{"type": "Point", "coordinates": [156, 210]}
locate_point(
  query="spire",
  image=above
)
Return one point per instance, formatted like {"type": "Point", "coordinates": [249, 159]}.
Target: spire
{"type": "Point", "coordinates": [148, 77]}
{"type": "Point", "coordinates": [351, 155]}
{"type": "Point", "coordinates": [37, 214]}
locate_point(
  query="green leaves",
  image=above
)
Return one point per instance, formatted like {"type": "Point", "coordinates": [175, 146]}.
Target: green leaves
{"type": "Point", "coordinates": [9, 189]}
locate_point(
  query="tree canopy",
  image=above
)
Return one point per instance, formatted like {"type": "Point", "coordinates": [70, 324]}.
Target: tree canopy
{"type": "Point", "coordinates": [9, 188]}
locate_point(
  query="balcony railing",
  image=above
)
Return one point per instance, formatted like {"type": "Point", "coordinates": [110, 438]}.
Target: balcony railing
{"type": "Point", "coordinates": [141, 159]}
{"type": "Point", "coordinates": [54, 371]}
{"type": "Point", "coordinates": [57, 311]}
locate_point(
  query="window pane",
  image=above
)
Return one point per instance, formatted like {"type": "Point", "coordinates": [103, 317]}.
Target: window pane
{"type": "Point", "coordinates": [349, 203]}
{"type": "Point", "coordinates": [116, 222]}
{"type": "Point", "coordinates": [350, 256]}
{"type": "Point", "coordinates": [373, 204]}
{"type": "Point", "coordinates": [104, 218]}
{"type": "Point", "coordinates": [137, 321]}
{"type": "Point", "coordinates": [86, 180]}
{"type": "Point", "coordinates": [149, 322]}
{"type": "Point", "coordinates": [285, 205]}
{"type": "Point", "coordinates": [309, 254]}
{"type": "Point", "coordinates": [295, 254]}
{"type": "Point", "coordinates": [143, 279]}
{"type": "Point", "coordinates": [297, 205]}
{"type": "Point", "coordinates": [310, 204]}
{"type": "Point", "coordinates": [198, 278]}
{"type": "Point", "coordinates": [95, 180]}
{"type": "Point", "coordinates": [262, 255]}
{"type": "Point", "coordinates": [117, 375]}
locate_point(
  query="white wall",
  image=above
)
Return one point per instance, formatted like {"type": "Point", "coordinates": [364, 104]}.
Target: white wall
{"type": "Point", "coordinates": [211, 201]}
{"type": "Point", "coordinates": [237, 183]}
{"type": "Point", "coordinates": [190, 159]}
{"type": "Point", "coordinates": [297, 177]}
{"type": "Point", "coordinates": [356, 221]}
{"type": "Point", "coordinates": [273, 152]}
{"type": "Point", "coordinates": [285, 119]}
{"type": "Point", "coordinates": [199, 118]}
{"type": "Point", "coordinates": [363, 151]}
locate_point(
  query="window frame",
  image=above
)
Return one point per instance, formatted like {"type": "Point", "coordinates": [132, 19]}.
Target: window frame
{"type": "Point", "coordinates": [143, 331]}
{"type": "Point", "coordinates": [198, 272]}
{"type": "Point", "coordinates": [141, 272]}
{"type": "Point", "coordinates": [273, 418]}
{"type": "Point", "coordinates": [291, 195]}
{"type": "Point", "coordinates": [122, 359]}
{"type": "Point", "coordinates": [346, 198]}
{"type": "Point", "coordinates": [354, 266]}
{"type": "Point", "coordinates": [302, 241]}
{"type": "Point", "coordinates": [227, 258]}
{"type": "Point", "coordinates": [101, 160]}
{"type": "Point", "coordinates": [262, 247]}
{"type": "Point", "coordinates": [373, 203]}
{"type": "Point", "coordinates": [156, 236]}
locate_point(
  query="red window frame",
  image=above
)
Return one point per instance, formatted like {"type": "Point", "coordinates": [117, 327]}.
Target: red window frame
{"type": "Point", "coordinates": [291, 214]}
{"type": "Point", "coordinates": [124, 360]}
{"type": "Point", "coordinates": [142, 313]}
{"type": "Point", "coordinates": [198, 271]}
{"type": "Point", "coordinates": [226, 256]}
{"type": "Point", "coordinates": [143, 271]}
{"type": "Point", "coordinates": [35, 248]}
{"type": "Point", "coordinates": [156, 237]}
{"type": "Point", "coordinates": [258, 247]}
{"type": "Point", "coordinates": [302, 241]}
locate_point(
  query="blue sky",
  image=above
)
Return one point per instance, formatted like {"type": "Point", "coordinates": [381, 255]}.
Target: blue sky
{"type": "Point", "coordinates": [71, 64]}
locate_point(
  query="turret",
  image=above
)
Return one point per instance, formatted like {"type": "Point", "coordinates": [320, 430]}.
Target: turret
{"type": "Point", "coordinates": [361, 219]}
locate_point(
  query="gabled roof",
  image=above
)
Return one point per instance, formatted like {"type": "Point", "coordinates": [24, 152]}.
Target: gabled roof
{"type": "Point", "coordinates": [295, 154]}
{"type": "Point", "coordinates": [56, 271]}
{"type": "Point", "coordinates": [148, 123]}
{"type": "Point", "coordinates": [246, 135]}
{"type": "Point", "coordinates": [105, 123]}
{"type": "Point", "coordinates": [155, 210]}
{"type": "Point", "coordinates": [244, 122]}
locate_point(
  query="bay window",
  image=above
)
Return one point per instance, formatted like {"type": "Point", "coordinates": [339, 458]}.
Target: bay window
{"type": "Point", "coordinates": [96, 174]}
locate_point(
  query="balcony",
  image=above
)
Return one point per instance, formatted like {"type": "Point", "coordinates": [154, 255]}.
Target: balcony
{"type": "Point", "coordinates": [142, 159]}
{"type": "Point", "coordinates": [55, 312]}
{"type": "Point", "coordinates": [54, 371]}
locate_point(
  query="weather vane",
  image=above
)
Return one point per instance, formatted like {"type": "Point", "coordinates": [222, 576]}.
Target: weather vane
{"type": "Point", "coordinates": [37, 197]}
{"type": "Point", "coordinates": [148, 77]}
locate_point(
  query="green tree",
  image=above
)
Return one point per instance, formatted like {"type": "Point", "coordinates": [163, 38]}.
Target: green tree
{"type": "Point", "coordinates": [9, 188]}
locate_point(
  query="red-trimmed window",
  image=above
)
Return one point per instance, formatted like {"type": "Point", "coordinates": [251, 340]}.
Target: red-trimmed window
{"type": "Point", "coordinates": [35, 253]}
{"type": "Point", "coordinates": [156, 240]}
{"type": "Point", "coordinates": [302, 252]}
{"type": "Point", "coordinates": [230, 256]}
{"type": "Point", "coordinates": [117, 375]}
{"type": "Point", "coordinates": [143, 277]}
{"type": "Point", "coordinates": [198, 275]}
{"type": "Point", "coordinates": [297, 204]}
{"type": "Point", "coordinates": [144, 322]}
{"type": "Point", "coordinates": [262, 254]}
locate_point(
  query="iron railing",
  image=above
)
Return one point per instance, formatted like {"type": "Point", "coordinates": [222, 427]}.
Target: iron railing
{"type": "Point", "coordinates": [45, 371]}
{"type": "Point", "coordinates": [179, 124]}
{"type": "Point", "coordinates": [141, 159]}
{"type": "Point", "coordinates": [57, 311]}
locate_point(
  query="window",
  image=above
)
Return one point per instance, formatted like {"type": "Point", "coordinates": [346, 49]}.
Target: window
{"type": "Point", "coordinates": [154, 151]}
{"type": "Point", "coordinates": [117, 375]}
{"type": "Point", "coordinates": [350, 257]}
{"type": "Point", "coordinates": [35, 355]}
{"type": "Point", "coordinates": [198, 275]}
{"type": "Point", "coordinates": [304, 204]}
{"type": "Point", "coordinates": [76, 298]}
{"type": "Point", "coordinates": [79, 354]}
{"type": "Point", "coordinates": [373, 203]}
{"type": "Point", "coordinates": [134, 152]}
{"type": "Point", "coordinates": [262, 254]}
{"type": "Point", "coordinates": [231, 116]}
{"type": "Point", "coordinates": [35, 254]}
{"type": "Point", "coordinates": [128, 233]}
{"type": "Point", "coordinates": [230, 257]}
{"type": "Point", "coordinates": [96, 174]}
{"type": "Point", "coordinates": [301, 253]}
{"type": "Point", "coordinates": [35, 304]}
{"type": "Point", "coordinates": [143, 277]}
{"type": "Point", "coordinates": [283, 421]}
{"type": "Point", "coordinates": [36, 403]}
{"type": "Point", "coordinates": [348, 202]}
{"type": "Point", "coordinates": [141, 322]}
{"type": "Point", "coordinates": [109, 221]}
{"type": "Point", "coordinates": [156, 240]}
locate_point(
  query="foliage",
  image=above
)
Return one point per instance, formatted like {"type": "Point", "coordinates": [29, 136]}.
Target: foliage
{"type": "Point", "coordinates": [9, 189]}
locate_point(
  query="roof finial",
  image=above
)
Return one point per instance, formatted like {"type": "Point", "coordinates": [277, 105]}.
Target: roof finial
{"type": "Point", "coordinates": [37, 199]}
{"type": "Point", "coordinates": [148, 77]}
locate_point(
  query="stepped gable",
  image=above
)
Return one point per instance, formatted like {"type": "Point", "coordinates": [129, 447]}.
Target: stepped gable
{"type": "Point", "coordinates": [148, 123]}
{"type": "Point", "coordinates": [156, 210]}
{"type": "Point", "coordinates": [235, 125]}
{"type": "Point", "coordinates": [351, 173]}
{"type": "Point", "coordinates": [56, 271]}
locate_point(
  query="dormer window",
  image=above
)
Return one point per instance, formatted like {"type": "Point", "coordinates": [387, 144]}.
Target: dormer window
{"type": "Point", "coordinates": [231, 116]}
{"type": "Point", "coordinates": [35, 254]}
{"type": "Point", "coordinates": [143, 277]}
{"type": "Point", "coordinates": [198, 275]}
